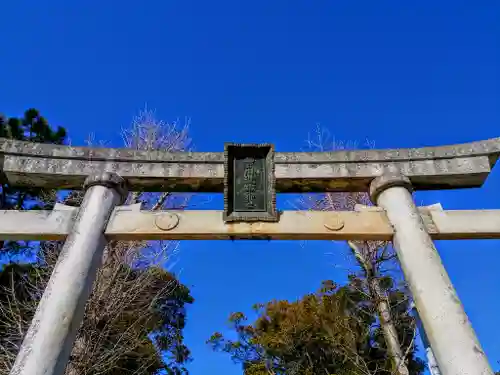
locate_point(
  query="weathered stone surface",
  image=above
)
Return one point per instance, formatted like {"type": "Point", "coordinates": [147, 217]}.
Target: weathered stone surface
{"type": "Point", "coordinates": [129, 223]}
{"type": "Point", "coordinates": [388, 181]}
{"type": "Point", "coordinates": [110, 180]}
{"type": "Point", "coordinates": [65, 167]}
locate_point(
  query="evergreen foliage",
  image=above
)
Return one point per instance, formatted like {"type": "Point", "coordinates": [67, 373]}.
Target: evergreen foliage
{"type": "Point", "coordinates": [333, 331]}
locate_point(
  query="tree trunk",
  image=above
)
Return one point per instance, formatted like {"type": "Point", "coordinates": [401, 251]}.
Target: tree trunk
{"type": "Point", "coordinates": [77, 353]}
{"type": "Point", "coordinates": [384, 311]}
{"type": "Point", "coordinates": [388, 328]}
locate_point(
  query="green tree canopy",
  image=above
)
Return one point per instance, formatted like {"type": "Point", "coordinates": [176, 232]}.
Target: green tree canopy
{"type": "Point", "coordinates": [31, 127]}
{"type": "Point", "coordinates": [333, 331]}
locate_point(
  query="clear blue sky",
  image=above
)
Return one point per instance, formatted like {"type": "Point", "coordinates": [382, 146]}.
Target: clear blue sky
{"type": "Point", "coordinates": [402, 74]}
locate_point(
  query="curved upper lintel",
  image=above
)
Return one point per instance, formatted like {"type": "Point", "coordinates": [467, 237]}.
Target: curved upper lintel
{"type": "Point", "coordinates": [490, 147]}
{"type": "Point", "coordinates": [442, 167]}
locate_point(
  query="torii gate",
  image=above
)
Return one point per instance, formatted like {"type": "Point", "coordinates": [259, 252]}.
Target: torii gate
{"type": "Point", "coordinates": [249, 176]}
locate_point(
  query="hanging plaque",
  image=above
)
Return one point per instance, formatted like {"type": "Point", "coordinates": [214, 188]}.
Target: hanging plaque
{"type": "Point", "coordinates": [249, 183]}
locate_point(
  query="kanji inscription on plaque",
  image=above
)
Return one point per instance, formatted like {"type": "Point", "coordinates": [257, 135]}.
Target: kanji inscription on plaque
{"type": "Point", "coordinates": [249, 183]}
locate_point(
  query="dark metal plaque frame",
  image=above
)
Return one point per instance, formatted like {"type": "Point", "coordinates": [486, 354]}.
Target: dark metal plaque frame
{"type": "Point", "coordinates": [270, 215]}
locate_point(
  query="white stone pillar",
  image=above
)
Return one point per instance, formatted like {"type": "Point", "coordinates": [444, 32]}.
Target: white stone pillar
{"type": "Point", "coordinates": [448, 329]}
{"type": "Point", "coordinates": [431, 359]}
{"type": "Point", "coordinates": [50, 338]}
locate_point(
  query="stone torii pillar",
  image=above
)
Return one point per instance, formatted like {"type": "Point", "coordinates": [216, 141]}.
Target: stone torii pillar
{"type": "Point", "coordinates": [50, 338]}
{"type": "Point", "coordinates": [446, 324]}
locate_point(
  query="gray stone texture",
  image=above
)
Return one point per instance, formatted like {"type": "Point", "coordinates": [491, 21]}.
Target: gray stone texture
{"type": "Point", "coordinates": [428, 168]}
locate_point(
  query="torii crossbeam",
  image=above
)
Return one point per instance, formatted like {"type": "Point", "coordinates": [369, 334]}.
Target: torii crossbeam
{"type": "Point", "coordinates": [249, 176]}
{"type": "Point", "coordinates": [128, 223]}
